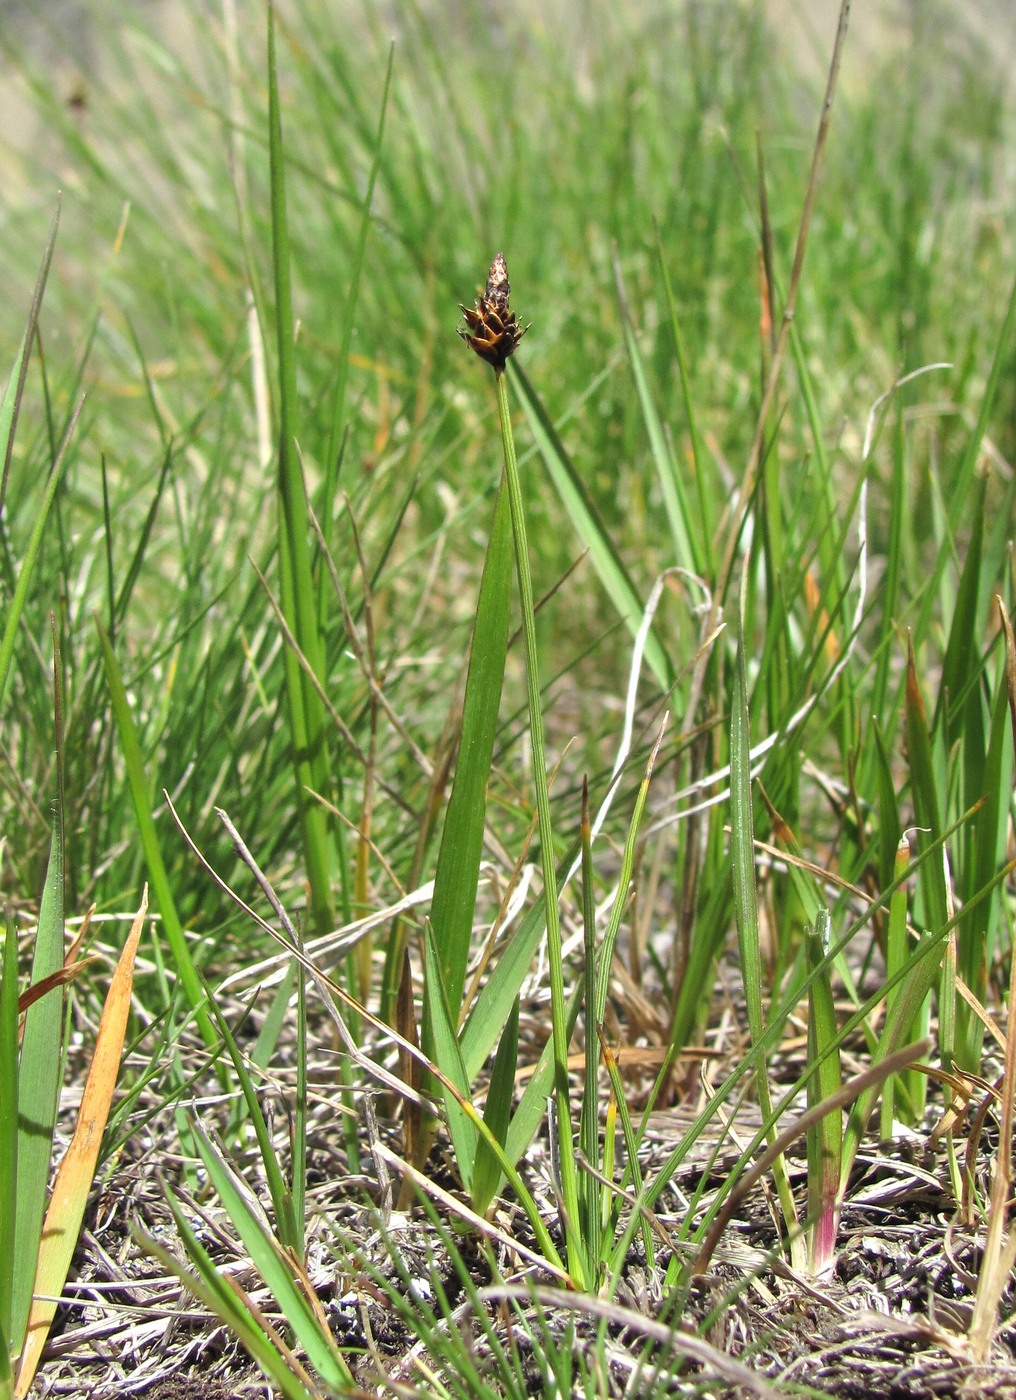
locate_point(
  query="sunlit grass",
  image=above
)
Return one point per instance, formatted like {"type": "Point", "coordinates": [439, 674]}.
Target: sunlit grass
{"type": "Point", "coordinates": [763, 548]}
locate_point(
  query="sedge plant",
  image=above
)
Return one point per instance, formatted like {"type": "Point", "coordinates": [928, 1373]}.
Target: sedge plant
{"type": "Point", "coordinates": [494, 332]}
{"type": "Point", "coordinates": [904, 740]}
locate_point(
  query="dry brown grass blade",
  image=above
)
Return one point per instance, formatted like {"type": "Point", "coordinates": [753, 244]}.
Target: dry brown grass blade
{"type": "Point", "coordinates": [61, 978]}
{"type": "Point", "coordinates": [77, 1170]}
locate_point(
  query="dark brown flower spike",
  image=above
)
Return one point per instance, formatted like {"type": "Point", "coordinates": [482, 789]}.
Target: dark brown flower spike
{"type": "Point", "coordinates": [492, 330]}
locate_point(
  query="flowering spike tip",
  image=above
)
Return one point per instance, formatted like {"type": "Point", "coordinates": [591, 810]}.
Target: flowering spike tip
{"type": "Point", "coordinates": [492, 330]}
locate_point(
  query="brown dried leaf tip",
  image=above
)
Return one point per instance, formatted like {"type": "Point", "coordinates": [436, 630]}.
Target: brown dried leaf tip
{"type": "Point", "coordinates": [492, 330]}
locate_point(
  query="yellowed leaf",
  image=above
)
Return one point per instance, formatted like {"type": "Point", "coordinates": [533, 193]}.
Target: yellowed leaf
{"type": "Point", "coordinates": [77, 1170]}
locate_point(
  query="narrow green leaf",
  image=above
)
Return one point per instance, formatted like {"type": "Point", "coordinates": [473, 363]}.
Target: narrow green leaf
{"type": "Point", "coordinates": [696, 986]}
{"type": "Point", "coordinates": [976, 934]}
{"type": "Point", "coordinates": [144, 536]}
{"type": "Point", "coordinates": [214, 1293]}
{"type": "Point", "coordinates": [675, 501]}
{"type": "Point", "coordinates": [633, 1173]}
{"type": "Point", "coordinates": [487, 1175]}
{"type": "Point", "coordinates": [8, 1126]}
{"type": "Point", "coordinates": [742, 840]}
{"type": "Point", "coordinates": [131, 747]}
{"type": "Point", "coordinates": [458, 865]}
{"type": "Point", "coordinates": [606, 953]}
{"type": "Point", "coordinates": [973, 448]}
{"type": "Point", "coordinates": [271, 1263]}
{"type": "Point", "coordinates": [923, 966]}
{"type": "Point", "coordinates": [294, 1203]}
{"type": "Point", "coordinates": [589, 1121]}
{"type": "Point", "coordinates": [17, 603]}
{"type": "Point", "coordinates": [889, 827]}
{"type": "Point", "coordinates": [706, 529]}
{"type": "Point", "coordinates": [533, 1104]}
{"type": "Point", "coordinates": [448, 1058]}
{"type": "Point", "coordinates": [809, 893]}
{"type": "Point", "coordinates": [282, 1200]}
{"type": "Point", "coordinates": [10, 405]}
{"type": "Point", "coordinates": [9, 408]}
{"type": "Point", "coordinates": [38, 1088]}
{"type": "Point", "coordinates": [961, 484]}
{"type": "Point", "coordinates": [588, 525]}
{"type": "Point", "coordinates": [896, 956]}
{"type": "Point", "coordinates": [493, 1005]}
{"type": "Point", "coordinates": [337, 428]}
{"type": "Point", "coordinates": [959, 662]}
{"type": "Point", "coordinates": [825, 1138]}
{"type": "Point", "coordinates": [298, 600]}
{"type": "Point", "coordinates": [927, 811]}
{"type": "Point", "coordinates": [889, 590]}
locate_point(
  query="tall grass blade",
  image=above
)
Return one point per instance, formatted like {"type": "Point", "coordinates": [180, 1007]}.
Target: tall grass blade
{"type": "Point", "coordinates": [577, 1258]}
{"type": "Point", "coordinates": [706, 527]}
{"type": "Point", "coordinates": [305, 710]}
{"type": "Point", "coordinates": [17, 604]}
{"type": "Point", "coordinates": [458, 865]}
{"type": "Point", "coordinates": [10, 405]}
{"type": "Point", "coordinates": [684, 533]}
{"type": "Point", "coordinates": [39, 1076]}
{"type": "Point", "coordinates": [977, 934]}
{"type": "Point", "coordinates": [337, 428]}
{"type": "Point", "coordinates": [960, 486]}
{"type": "Point", "coordinates": [895, 961]}
{"type": "Point", "coordinates": [589, 526]}
{"type": "Point", "coordinates": [825, 1139]}
{"type": "Point", "coordinates": [922, 969]}
{"type": "Point", "coordinates": [289, 1230]}
{"type": "Point", "coordinates": [934, 903]}
{"type": "Point", "coordinates": [924, 790]}
{"type": "Point", "coordinates": [589, 1121]}
{"type": "Point", "coordinates": [509, 971]}
{"type": "Point", "coordinates": [447, 1056]}
{"type": "Point", "coordinates": [742, 840]}
{"type": "Point", "coordinates": [139, 788]}
{"type": "Point", "coordinates": [8, 1131]}
{"type": "Point", "coordinates": [487, 1175]}
{"type": "Point", "coordinates": [960, 661]}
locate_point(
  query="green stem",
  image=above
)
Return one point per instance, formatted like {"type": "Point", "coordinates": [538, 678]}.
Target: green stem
{"type": "Point", "coordinates": [566, 1145]}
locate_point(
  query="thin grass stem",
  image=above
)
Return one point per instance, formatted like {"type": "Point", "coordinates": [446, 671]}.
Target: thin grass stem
{"type": "Point", "coordinates": [558, 1009]}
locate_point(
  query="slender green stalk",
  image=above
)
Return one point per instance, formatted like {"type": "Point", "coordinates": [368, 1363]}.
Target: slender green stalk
{"type": "Point", "coordinates": [17, 603]}
{"type": "Point", "coordinates": [8, 1136]}
{"type": "Point", "coordinates": [162, 887]}
{"type": "Point", "coordinates": [590, 1118]}
{"type": "Point", "coordinates": [558, 1011]}
{"type": "Point", "coordinates": [896, 956]}
{"type": "Point", "coordinates": [746, 913]}
{"type": "Point", "coordinates": [306, 712]}
{"type": "Point", "coordinates": [825, 1138]}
